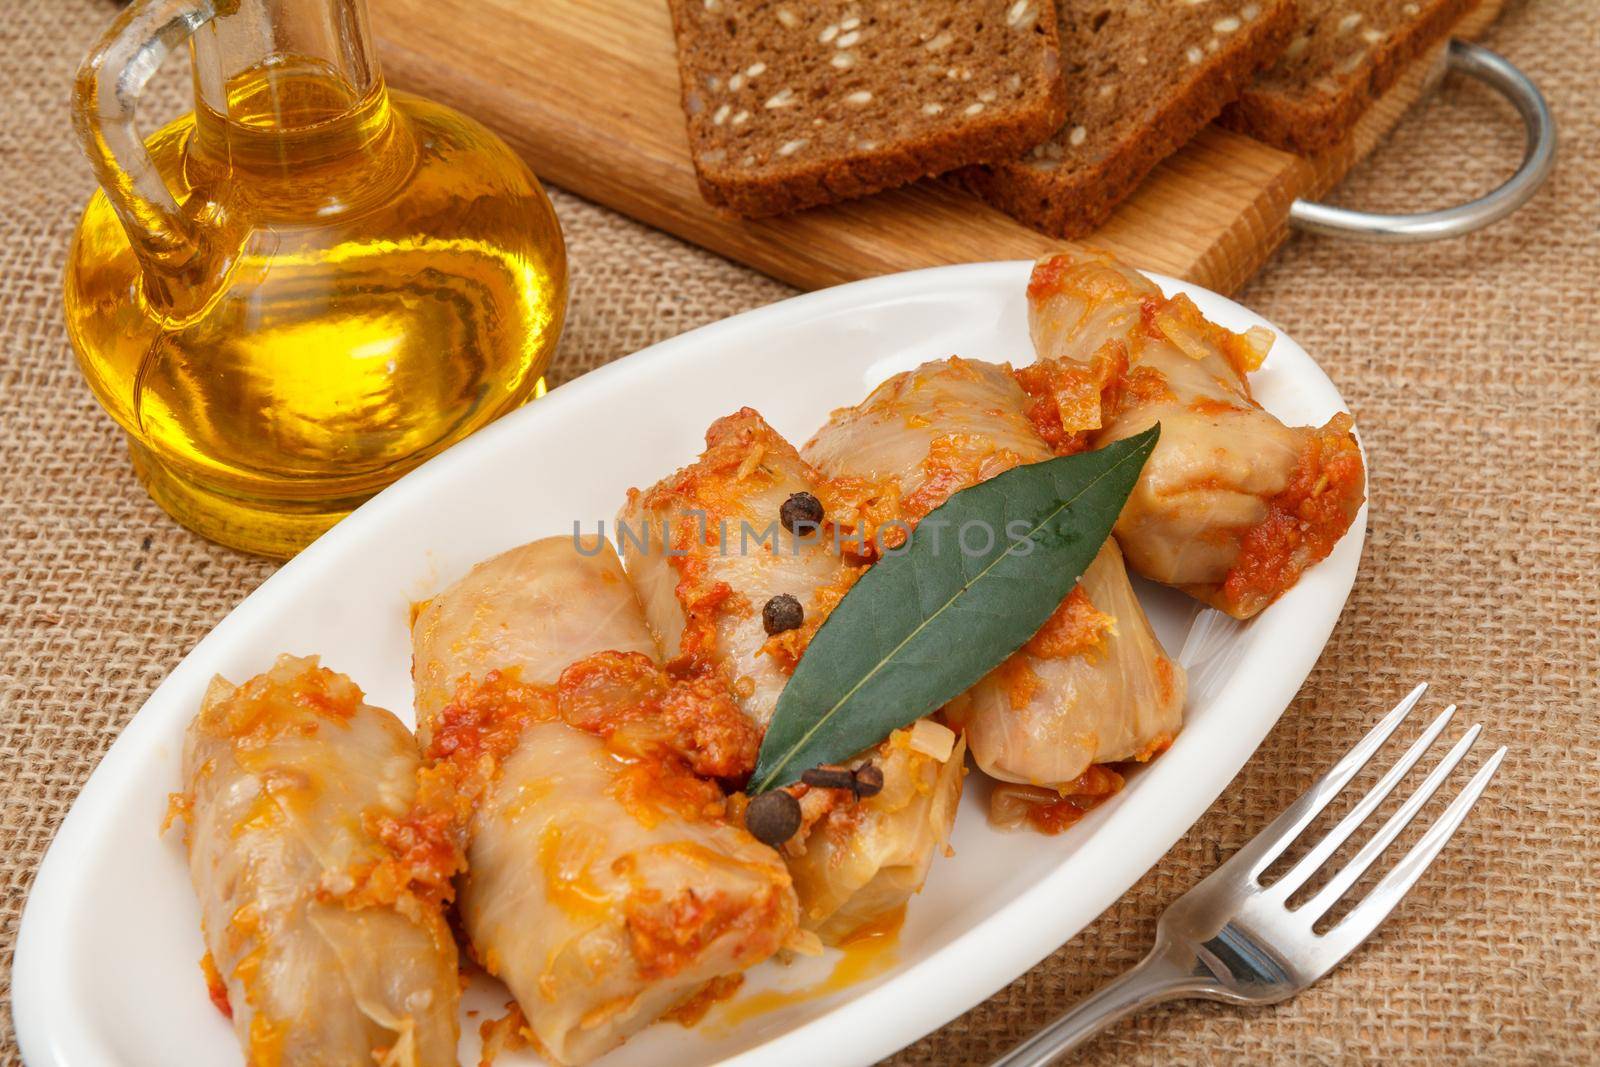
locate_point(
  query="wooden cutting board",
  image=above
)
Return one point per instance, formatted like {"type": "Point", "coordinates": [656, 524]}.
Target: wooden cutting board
{"type": "Point", "coordinates": [587, 91]}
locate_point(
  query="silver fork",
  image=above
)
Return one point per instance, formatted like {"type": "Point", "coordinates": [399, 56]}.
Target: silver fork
{"type": "Point", "coordinates": [1232, 940]}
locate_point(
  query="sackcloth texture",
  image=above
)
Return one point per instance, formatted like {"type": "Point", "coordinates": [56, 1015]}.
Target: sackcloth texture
{"type": "Point", "coordinates": [1473, 368]}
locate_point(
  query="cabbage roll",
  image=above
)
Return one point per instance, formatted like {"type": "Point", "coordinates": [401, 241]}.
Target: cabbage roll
{"type": "Point", "coordinates": [861, 860]}
{"type": "Point", "coordinates": [707, 548]}
{"type": "Point", "coordinates": [1093, 685]}
{"type": "Point", "coordinates": [541, 607]}
{"type": "Point", "coordinates": [326, 945]}
{"type": "Point", "coordinates": [1233, 506]}
{"type": "Point", "coordinates": [605, 883]}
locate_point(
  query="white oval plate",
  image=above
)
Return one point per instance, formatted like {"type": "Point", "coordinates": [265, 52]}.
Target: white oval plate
{"type": "Point", "coordinates": [106, 970]}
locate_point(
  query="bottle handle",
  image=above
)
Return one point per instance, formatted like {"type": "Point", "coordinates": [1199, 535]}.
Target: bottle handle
{"type": "Point", "coordinates": [106, 95]}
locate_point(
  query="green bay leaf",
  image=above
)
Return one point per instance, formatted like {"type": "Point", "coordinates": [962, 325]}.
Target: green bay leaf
{"type": "Point", "coordinates": [926, 622]}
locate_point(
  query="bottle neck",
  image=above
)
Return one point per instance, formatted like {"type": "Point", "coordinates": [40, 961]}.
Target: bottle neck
{"type": "Point", "coordinates": [286, 84]}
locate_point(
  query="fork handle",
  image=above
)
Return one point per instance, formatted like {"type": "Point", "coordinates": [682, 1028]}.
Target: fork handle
{"type": "Point", "coordinates": [1155, 978]}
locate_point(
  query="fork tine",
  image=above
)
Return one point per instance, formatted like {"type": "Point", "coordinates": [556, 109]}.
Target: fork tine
{"type": "Point", "coordinates": [1376, 905]}
{"type": "Point", "coordinates": [1325, 848]}
{"type": "Point", "coordinates": [1259, 852]}
{"type": "Point", "coordinates": [1340, 884]}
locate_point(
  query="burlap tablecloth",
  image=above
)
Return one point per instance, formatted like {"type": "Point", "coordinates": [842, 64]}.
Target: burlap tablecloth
{"type": "Point", "coordinates": [1474, 370]}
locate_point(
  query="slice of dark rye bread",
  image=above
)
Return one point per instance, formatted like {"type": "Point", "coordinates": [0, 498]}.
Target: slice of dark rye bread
{"type": "Point", "coordinates": [796, 103]}
{"type": "Point", "coordinates": [1143, 77]}
{"type": "Point", "coordinates": [1341, 57]}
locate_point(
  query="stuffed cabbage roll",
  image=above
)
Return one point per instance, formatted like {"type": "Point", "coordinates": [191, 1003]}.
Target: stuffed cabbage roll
{"type": "Point", "coordinates": [1233, 506]}
{"type": "Point", "coordinates": [540, 607]}
{"type": "Point", "coordinates": [605, 883]}
{"type": "Point", "coordinates": [710, 548]}
{"type": "Point", "coordinates": [325, 945]}
{"type": "Point", "coordinates": [1093, 685]}
{"type": "Point", "coordinates": [860, 860]}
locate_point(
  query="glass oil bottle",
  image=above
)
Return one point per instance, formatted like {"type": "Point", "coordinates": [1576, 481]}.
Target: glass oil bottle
{"type": "Point", "coordinates": [309, 285]}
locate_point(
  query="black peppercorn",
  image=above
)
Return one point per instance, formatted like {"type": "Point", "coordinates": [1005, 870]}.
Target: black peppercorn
{"type": "Point", "coordinates": [869, 780]}
{"type": "Point", "coordinates": [801, 508]}
{"type": "Point", "coordinates": [772, 818]}
{"type": "Point", "coordinates": [782, 612]}
{"type": "Point", "coordinates": [829, 778]}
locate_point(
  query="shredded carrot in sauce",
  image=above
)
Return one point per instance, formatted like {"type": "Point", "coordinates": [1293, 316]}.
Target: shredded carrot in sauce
{"type": "Point", "coordinates": [816, 804]}
{"type": "Point", "coordinates": [1207, 405]}
{"type": "Point", "coordinates": [666, 732]}
{"type": "Point", "coordinates": [1051, 811]}
{"type": "Point", "coordinates": [216, 988]}
{"type": "Point", "coordinates": [1068, 401]}
{"type": "Point", "coordinates": [567, 856]}
{"type": "Point", "coordinates": [1075, 628]}
{"type": "Point", "coordinates": [424, 856]}
{"type": "Point", "coordinates": [1159, 743]}
{"type": "Point", "coordinates": [642, 710]}
{"type": "Point", "coordinates": [179, 806]}
{"type": "Point", "coordinates": [650, 787]}
{"type": "Point", "coordinates": [787, 647]}
{"type": "Point", "coordinates": [1143, 386]}
{"type": "Point", "coordinates": [243, 925]}
{"type": "Point", "coordinates": [473, 734]}
{"type": "Point", "coordinates": [1150, 308]}
{"type": "Point", "coordinates": [703, 602]}
{"type": "Point", "coordinates": [1304, 521]}
{"type": "Point", "coordinates": [1246, 351]}
{"type": "Point", "coordinates": [669, 935]}
{"type": "Point", "coordinates": [1166, 679]}
{"type": "Point", "coordinates": [253, 714]}
{"type": "Point", "coordinates": [266, 1042]}
{"type": "Point", "coordinates": [509, 1033]}
{"type": "Point", "coordinates": [487, 717]}
{"type": "Point", "coordinates": [1016, 680]}
{"type": "Point", "coordinates": [954, 462]}
{"type": "Point", "coordinates": [1049, 277]}
{"type": "Point", "coordinates": [1177, 320]}
{"type": "Point", "coordinates": [866, 515]}
{"type": "Point", "coordinates": [736, 446]}
{"type": "Point", "coordinates": [743, 454]}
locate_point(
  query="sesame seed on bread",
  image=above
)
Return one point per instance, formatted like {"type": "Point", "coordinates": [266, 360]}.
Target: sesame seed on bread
{"type": "Point", "coordinates": [1342, 55]}
{"type": "Point", "coordinates": [1143, 77]}
{"type": "Point", "coordinates": [793, 103]}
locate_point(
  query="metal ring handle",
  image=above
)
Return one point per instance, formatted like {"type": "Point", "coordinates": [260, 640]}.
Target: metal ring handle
{"type": "Point", "coordinates": [1495, 71]}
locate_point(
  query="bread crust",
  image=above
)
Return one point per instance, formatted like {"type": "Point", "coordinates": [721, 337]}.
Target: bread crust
{"type": "Point", "coordinates": [1305, 122]}
{"type": "Point", "coordinates": [780, 187]}
{"type": "Point", "coordinates": [1070, 204]}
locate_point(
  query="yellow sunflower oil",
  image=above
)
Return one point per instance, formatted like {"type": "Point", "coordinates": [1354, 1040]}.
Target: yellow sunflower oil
{"type": "Point", "coordinates": [307, 286]}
